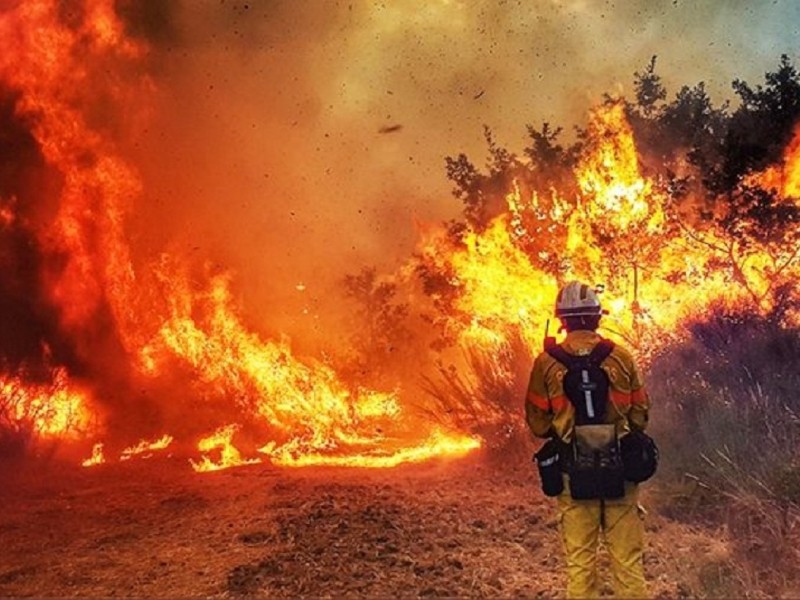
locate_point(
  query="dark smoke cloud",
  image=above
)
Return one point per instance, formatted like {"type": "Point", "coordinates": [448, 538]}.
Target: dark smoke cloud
{"type": "Point", "coordinates": [295, 141]}
{"type": "Point", "coordinates": [152, 20]}
{"type": "Point", "coordinates": [29, 332]}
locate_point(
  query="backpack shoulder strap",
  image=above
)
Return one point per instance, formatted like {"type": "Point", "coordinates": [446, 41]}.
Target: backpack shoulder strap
{"type": "Point", "coordinates": [562, 356]}
{"type": "Point", "coordinates": [601, 351]}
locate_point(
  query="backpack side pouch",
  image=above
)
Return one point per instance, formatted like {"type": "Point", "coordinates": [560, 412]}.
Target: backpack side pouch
{"type": "Point", "coordinates": [639, 456]}
{"type": "Point", "coordinates": [548, 462]}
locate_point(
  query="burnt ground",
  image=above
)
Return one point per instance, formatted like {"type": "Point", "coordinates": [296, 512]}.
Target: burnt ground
{"type": "Point", "coordinates": [156, 529]}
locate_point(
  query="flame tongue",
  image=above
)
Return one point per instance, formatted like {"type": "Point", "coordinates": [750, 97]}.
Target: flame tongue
{"type": "Point", "coordinates": [161, 317]}
{"type": "Point", "coordinates": [178, 327]}
{"type": "Point", "coordinates": [784, 178]}
{"type": "Point", "coordinates": [384, 455]}
{"type": "Point", "coordinates": [145, 449]}
{"type": "Point", "coordinates": [619, 200]}
{"type": "Point", "coordinates": [505, 276]}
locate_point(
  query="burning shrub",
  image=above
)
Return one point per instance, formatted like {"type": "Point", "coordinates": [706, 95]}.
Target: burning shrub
{"type": "Point", "coordinates": [485, 394]}
{"type": "Point", "coordinates": [32, 413]}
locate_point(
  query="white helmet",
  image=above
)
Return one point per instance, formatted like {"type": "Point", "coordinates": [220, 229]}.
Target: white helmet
{"type": "Point", "coordinates": [577, 299]}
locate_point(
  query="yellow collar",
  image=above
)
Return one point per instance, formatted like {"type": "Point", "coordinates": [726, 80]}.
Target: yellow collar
{"type": "Point", "coordinates": [580, 341]}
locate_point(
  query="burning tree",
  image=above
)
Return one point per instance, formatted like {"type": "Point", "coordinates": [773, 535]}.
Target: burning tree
{"type": "Point", "coordinates": [672, 213]}
{"type": "Point", "coordinates": [698, 215]}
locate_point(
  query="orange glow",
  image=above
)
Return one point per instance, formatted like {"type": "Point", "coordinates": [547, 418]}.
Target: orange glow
{"type": "Point", "coordinates": [54, 410]}
{"type": "Point", "coordinates": [220, 443]}
{"type": "Point", "coordinates": [97, 457]}
{"type": "Point", "coordinates": [145, 449]}
{"type": "Point", "coordinates": [7, 215]}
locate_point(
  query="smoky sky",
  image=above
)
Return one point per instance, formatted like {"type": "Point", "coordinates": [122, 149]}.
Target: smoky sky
{"type": "Point", "coordinates": [297, 141]}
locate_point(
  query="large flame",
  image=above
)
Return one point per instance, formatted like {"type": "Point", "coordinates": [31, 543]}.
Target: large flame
{"type": "Point", "coordinates": [177, 323]}
{"type": "Point", "coordinates": [785, 177]}
{"type": "Point", "coordinates": [619, 201]}
{"type": "Point", "coordinates": [164, 319]}
{"type": "Point", "coordinates": [616, 233]}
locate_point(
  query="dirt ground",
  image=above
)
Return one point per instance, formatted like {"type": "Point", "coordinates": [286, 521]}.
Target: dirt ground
{"type": "Point", "coordinates": [156, 529]}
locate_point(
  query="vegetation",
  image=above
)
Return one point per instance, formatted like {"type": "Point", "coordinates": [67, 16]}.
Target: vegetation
{"type": "Point", "coordinates": [726, 400]}
{"type": "Point", "coordinates": [727, 418]}
{"type": "Point", "coordinates": [687, 142]}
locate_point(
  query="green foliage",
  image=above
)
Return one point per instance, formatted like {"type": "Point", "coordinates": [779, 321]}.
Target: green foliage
{"type": "Point", "coordinates": [692, 124]}
{"type": "Point", "coordinates": [761, 125]}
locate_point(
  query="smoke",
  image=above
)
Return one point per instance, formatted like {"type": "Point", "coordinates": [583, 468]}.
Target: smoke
{"type": "Point", "coordinates": [25, 185]}
{"type": "Point", "coordinates": [294, 141]}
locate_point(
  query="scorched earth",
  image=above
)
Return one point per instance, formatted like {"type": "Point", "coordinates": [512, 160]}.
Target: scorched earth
{"type": "Point", "coordinates": [155, 528]}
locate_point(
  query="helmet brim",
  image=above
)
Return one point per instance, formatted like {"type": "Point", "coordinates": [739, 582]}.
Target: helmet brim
{"type": "Point", "coordinates": [582, 311]}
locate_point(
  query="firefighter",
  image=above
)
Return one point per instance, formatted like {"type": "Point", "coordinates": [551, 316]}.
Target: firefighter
{"type": "Point", "coordinates": [558, 407]}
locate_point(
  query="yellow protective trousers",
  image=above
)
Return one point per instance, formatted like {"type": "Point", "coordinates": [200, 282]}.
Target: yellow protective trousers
{"type": "Point", "coordinates": [624, 539]}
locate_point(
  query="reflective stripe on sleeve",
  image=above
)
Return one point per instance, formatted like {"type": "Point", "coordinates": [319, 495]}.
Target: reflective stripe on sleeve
{"type": "Point", "coordinates": [539, 402]}
{"type": "Point", "coordinates": [639, 396]}
{"type": "Point", "coordinates": [559, 403]}
{"type": "Point", "coordinates": [620, 398]}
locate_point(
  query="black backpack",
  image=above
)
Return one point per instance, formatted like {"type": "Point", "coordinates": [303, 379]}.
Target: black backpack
{"type": "Point", "coordinates": [593, 459]}
{"type": "Point", "coordinates": [585, 382]}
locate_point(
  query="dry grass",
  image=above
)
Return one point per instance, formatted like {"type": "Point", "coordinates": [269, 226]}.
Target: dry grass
{"type": "Point", "coordinates": [156, 529]}
{"type": "Point", "coordinates": [485, 395]}
{"type": "Point", "coordinates": [726, 413]}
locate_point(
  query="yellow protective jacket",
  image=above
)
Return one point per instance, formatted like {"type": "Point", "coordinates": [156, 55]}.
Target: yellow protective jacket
{"type": "Point", "coordinates": [547, 407]}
